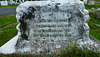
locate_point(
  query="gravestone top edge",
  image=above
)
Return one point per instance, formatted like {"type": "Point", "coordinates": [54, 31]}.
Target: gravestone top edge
{"type": "Point", "coordinates": [42, 3]}
{"type": "Point", "coordinates": [24, 6]}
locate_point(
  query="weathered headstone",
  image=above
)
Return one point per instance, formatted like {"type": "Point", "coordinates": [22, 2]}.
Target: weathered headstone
{"type": "Point", "coordinates": [11, 1]}
{"type": "Point", "coordinates": [91, 2]}
{"type": "Point", "coordinates": [4, 3]}
{"type": "Point", "coordinates": [47, 27]}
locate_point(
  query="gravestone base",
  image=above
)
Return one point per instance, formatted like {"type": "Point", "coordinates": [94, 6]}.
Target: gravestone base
{"type": "Point", "coordinates": [47, 27]}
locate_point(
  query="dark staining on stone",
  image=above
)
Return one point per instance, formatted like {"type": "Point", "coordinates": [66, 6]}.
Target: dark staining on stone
{"type": "Point", "coordinates": [51, 14]}
{"type": "Point", "coordinates": [57, 7]}
{"type": "Point", "coordinates": [70, 12]}
{"type": "Point", "coordinates": [71, 18]}
{"type": "Point", "coordinates": [79, 14]}
{"type": "Point", "coordinates": [43, 38]}
{"type": "Point", "coordinates": [68, 35]}
{"type": "Point", "coordinates": [20, 43]}
{"type": "Point", "coordinates": [57, 3]}
{"type": "Point", "coordinates": [49, 5]}
{"type": "Point", "coordinates": [81, 30]}
{"type": "Point", "coordinates": [69, 25]}
{"type": "Point", "coordinates": [38, 8]}
{"type": "Point", "coordinates": [45, 50]}
{"type": "Point", "coordinates": [23, 27]}
{"type": "Point", "coordinates": [52, 40]}
{"type": "Point", "coordinates": [30, 13]}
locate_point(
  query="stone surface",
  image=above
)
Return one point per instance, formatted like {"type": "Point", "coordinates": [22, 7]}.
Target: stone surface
{"type": "Point", "coordinates": [47, 27]}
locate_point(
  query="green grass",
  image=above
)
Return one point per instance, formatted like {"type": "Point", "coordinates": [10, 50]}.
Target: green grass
{"type": "Point", "coordinates": [94, 30]}
{"type": "Point", "coordinates": [7, 20]}
{"type": "Point", "coordinates": [96, 0]}
{"type": "Point", "coordinates": [7, 33]}
{"type": "Point", "coordinates": [92, 6]}
{"type": "Point", "coordinates": [74, 51]}
{"type": "Point", "coordinates": [13, 5]}
{"type": "Point", "coordinates": [9, 28]}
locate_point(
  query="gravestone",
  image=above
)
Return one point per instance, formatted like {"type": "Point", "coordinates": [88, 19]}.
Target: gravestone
{"type": "Point", "coordinates": [11, 1]}
{"type": "Point", "coordinates": [4, 3]}
{"type": "Point", "coordinates": [91, 2]}
{"type": "Point", "coordinates": [47, 27]}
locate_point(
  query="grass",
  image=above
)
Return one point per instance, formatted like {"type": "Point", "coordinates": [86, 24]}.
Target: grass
{"type": "Point", "coordinates": [74, 51]}
{"type": "Point", "coordinates": [7, 33]}
{"type": "Point", "coordinates": [9, 28]}
{"type": "Point", "coordinates": [94, 30]}
{"type": "Point", "coordinates": [7, 20]}
{"type": "Point", "coordinates": [97, 5]}
{"type": "Point", "coordinates": [13, 5]}
{"type": "Point", "coordinates": [96, 0]}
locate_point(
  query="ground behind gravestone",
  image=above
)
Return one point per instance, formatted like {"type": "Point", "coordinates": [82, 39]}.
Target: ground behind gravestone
{"type": "Point", "coordinates": [7, 28]}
